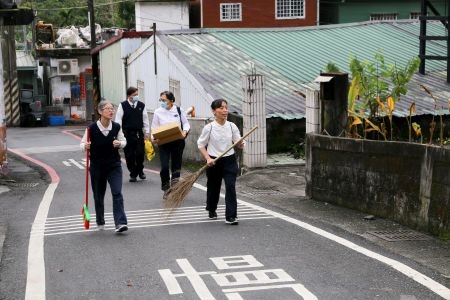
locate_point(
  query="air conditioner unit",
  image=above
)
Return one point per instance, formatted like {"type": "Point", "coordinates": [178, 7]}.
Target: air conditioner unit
{"type": "Point", "coordinates": [68, 67]}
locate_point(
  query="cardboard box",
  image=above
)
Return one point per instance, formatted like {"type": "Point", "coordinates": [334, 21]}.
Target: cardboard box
{"type": "Point", "coordinates": [168, 133]}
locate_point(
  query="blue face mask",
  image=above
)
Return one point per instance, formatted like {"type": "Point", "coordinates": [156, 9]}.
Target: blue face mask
{"type": "Point", "coordinates": [135, 99]}
{"type": "Point", "coordinates": [163, 104]}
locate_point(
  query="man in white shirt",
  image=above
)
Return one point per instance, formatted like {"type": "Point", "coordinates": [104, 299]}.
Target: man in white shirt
{"type": "Point", "coordinates": [132, 116]}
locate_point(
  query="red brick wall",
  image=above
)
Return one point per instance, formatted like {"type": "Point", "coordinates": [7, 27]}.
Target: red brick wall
{"type": "Point", "coordinates": [255, 13]}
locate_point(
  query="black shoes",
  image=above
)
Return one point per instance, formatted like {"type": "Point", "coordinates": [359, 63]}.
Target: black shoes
{"type": "Point", "coordinates": [232, 221]}
{"type": "Point", "coordinates": [141, 176]}
{"type": "Point", "coordinates": [212, 215]}
{"type": "Point", "coordinates": [121, 228]}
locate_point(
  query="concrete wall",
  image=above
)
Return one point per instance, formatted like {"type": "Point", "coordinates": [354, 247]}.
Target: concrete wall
{"type": "Point", "coordinates": [166, 15]}
{"type": "Point", "coordinates": [405, 182]}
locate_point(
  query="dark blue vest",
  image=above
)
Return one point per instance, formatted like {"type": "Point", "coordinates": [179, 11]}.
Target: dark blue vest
{"type": "Point", "coordinates": [132, 117]}
{"type": "Point", "coordinates": [102, 149]}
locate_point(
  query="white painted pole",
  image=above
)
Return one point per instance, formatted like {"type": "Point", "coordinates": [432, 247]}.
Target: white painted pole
{"type": "Point", "coordinates": [254, 114]}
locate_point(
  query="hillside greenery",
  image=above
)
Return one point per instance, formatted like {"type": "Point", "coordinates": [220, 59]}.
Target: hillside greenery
{"type": "Point", "coordinates": [65, 13]}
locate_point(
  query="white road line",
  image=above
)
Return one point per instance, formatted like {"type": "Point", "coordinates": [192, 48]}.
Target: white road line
{"type": "Point", "coordinates": [145, 218]}
{"type": "Point", "coordinates": [422, 279]}
{"type": "Point", "coordinates": [109, 221]}
{"type": "Point", "coordinates": [156, 225]}
{"type": "Point", "coordinates": [75, 163]}
{"type": "Point", "coordinates": [156, 212]}
{"type": "Point", "coordinates": [298, 288]}
{"type": "Point", "coordinates": [35, 288]}
{"type": "Point", "coordinates": [147, 210]}
{"type": "Point", "coordinates": [49, 149]}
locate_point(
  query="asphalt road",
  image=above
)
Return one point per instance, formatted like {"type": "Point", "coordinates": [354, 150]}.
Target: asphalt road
{"type": "Point", "coordinates": [183, 255]}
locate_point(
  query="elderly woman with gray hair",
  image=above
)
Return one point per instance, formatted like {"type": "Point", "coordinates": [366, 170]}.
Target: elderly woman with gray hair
{"type": "Point", "coordinates": [106, 138]}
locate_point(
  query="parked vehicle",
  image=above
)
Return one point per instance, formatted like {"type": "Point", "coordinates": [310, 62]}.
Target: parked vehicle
{"type": "Point", "coordinates": [31, 112]}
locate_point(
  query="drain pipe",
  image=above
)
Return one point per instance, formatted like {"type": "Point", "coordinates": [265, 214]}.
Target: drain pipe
{"type": "Point", "coordinates": [318, 13]}
{"type": "Point", "coordinates": [125, 71]}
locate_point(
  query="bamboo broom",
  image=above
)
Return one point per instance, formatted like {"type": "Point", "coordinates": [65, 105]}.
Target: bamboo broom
{"type": "Point", "coordinates": [175, 195]}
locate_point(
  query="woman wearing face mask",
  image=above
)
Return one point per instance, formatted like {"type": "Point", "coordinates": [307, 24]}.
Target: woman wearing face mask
{"type": "Point", "coordinates": [133, 118]}
{"type": "Point", "coordinates": [171, 152]}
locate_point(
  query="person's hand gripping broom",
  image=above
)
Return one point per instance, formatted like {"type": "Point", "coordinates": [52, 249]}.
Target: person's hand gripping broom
{"type": "Point", "coordinates": [176, 193]}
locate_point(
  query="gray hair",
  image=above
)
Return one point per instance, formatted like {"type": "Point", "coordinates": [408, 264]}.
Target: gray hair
{"type": "Point", "coordinates": [102, 104]}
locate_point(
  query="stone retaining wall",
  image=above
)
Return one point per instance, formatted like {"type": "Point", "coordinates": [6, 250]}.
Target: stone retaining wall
{"type": "Point", "coordinates": [405, 182]}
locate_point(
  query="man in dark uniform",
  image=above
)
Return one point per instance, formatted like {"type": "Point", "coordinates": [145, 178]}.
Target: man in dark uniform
{"type": "Point", "coordinates": [132, 115]}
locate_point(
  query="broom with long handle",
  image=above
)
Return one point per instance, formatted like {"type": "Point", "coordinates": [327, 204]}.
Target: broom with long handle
{"type": "Point", "coordinates": [175, 194]}
{"type": "Point", "coordinates": [85, 209]}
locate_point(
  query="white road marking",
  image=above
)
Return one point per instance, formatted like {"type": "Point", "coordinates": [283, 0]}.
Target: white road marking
{"type": "Point", "coordinates": [49, 149]}
{"type": "Point", "coordinates": [72, 161]}
{"type": "Point", "coordinates": [422, 279]}
{"type": "Point", "coordinates": [35, 288]}
{"type": "Point", "coordinates": [143, 218]}
{"type": "Point", "coordinates": [232, 294]}
{"type": "Point", "coordinates": [192, 275]}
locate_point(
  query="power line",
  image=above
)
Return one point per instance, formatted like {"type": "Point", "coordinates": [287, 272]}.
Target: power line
{"type": "Point", "coordinates": [82, 7]}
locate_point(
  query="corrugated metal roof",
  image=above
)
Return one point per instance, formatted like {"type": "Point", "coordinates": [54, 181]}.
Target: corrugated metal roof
{"type": "Point", "coordinates": [221, 66]}
{"type": "Point", "coordinates": [291, 56]}
{"type": "Point", "coordinates": [24, 60]}
{"type": "Point", "coordinates": [301, 53]}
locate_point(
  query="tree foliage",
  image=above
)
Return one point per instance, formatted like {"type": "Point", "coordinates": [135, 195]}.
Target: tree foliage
{"type": "Point", "coordinates": [375, 80]}
{"type": "Point", "coordinates": [64, 13]}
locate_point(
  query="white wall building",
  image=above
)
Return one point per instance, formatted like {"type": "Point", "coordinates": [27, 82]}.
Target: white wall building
{"type": "Point", "coordinates": [167, 14]}
{"type": "Point", "coordinates": [170, 74]}
{"type": "Point", "coordinates": [112, 61]}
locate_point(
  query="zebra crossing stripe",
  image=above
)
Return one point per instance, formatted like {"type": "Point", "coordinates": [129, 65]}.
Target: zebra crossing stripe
{"type": "Point", "coordinates": [144, 218]}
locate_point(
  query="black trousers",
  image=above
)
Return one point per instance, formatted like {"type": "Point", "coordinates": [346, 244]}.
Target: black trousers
{"type": "Point", "coordinates": [226, 168]}
{"type": "Point", "coordinates": [170, 156]}
{"type": "Point", "coordinates": [134, 151]}
{"type": "Point", "coordinates": [100, 175]}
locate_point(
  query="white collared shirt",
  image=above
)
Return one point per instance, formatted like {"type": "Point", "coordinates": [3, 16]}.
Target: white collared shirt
{"type": "Point", "coordinates": [105, 131]}
{"type": "Point", "coordinates": [218, 138]}
{"type": "Point", "coordinates": [119, 116]}
{"type": "Point", "coordinates": [163, 116]}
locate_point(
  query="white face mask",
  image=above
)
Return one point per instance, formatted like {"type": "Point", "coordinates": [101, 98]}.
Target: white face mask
{"type": "Point", "coordinates": [135, 99]}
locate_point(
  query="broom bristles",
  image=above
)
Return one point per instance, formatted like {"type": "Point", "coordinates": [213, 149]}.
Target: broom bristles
{"type": "Point", "coordinates": [176, 194]}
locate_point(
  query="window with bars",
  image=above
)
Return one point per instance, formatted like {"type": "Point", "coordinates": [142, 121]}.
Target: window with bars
{"type": "Point", "coordinates": [290, 9]}
{"type": "Point", "coordinates": [174, 87]}
{"type": "Point", "coordinates": [230, 12]}
{"type": "Point", "coordinates": [383, 17]}
{"type": "Point", "coordinates": [141, 90]}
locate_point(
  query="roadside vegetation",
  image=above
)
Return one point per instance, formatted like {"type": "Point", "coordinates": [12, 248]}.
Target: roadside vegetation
{"type": "Point", "coordinates": [375, 89]}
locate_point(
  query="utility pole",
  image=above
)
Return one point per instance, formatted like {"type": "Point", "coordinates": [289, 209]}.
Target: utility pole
{"type": "Point", "coordinates": [154, 48]}
{"type": "Point", "coordinates": [94, 61]}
